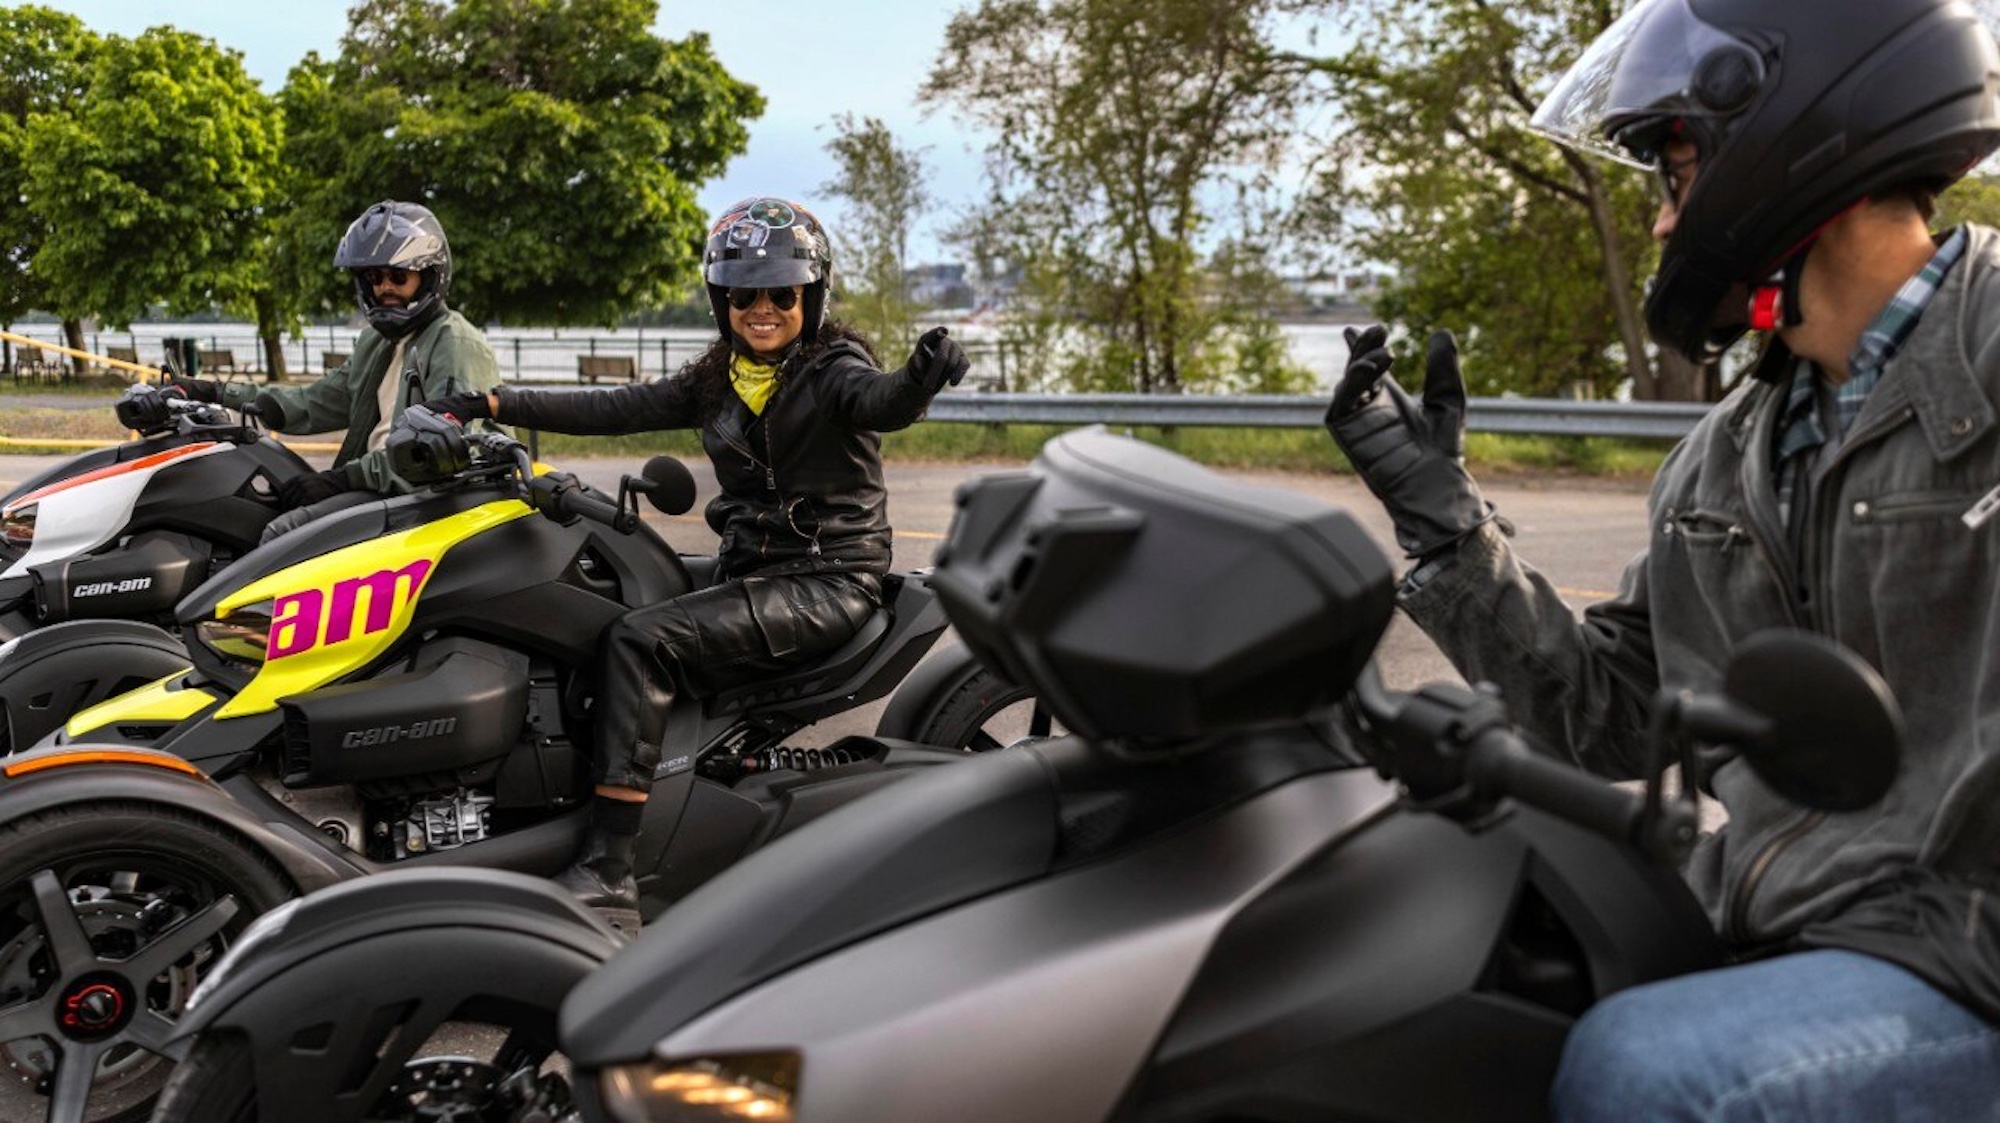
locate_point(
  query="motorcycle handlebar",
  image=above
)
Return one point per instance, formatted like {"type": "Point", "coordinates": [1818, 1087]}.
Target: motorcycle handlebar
{"type": "Point", "coordinates": [1499, 760]}
{"type": "Point", "coordinates": [562, 496]}
{"type": "Point", "coordinates": [1456, 752]}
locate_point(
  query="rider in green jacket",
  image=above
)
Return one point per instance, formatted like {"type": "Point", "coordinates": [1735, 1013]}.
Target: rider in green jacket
{"type": "Point", "coordinates": [415, 349]}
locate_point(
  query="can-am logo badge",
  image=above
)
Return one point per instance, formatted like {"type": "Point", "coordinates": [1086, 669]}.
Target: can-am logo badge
{"type": "Point", "coordinates": [358, 606]}
{"type": "Point", "coordinates": [105, 588]}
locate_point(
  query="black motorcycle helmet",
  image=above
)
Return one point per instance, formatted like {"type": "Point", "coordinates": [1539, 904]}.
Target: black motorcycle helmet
{"type": "Point", "coordinates": [398, 235]}
{"type": "Point", "coordinates": [1798, 112]}
{"type": "Point", "coordinates": [764, 243]}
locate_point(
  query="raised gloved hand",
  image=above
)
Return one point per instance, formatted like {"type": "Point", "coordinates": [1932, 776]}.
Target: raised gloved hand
{"type": "Point", "coordinates": [311, 487]}
{"type": "Point", "coordinates": [462, 408]}
{"type": "Point", "coordinates": [197, 389]}
{"type": "Point", "coordinates": [1412, 458]}
{"type": "Point", "coordinates": [937, 360]}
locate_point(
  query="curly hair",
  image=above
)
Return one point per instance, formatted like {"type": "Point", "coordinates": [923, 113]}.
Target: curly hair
{"type": "Point", "coordinates": [707, 374]}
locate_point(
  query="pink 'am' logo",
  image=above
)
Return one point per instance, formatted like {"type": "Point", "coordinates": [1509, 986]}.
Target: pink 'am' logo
{"type": "Point", "coordinates": [362, 606]}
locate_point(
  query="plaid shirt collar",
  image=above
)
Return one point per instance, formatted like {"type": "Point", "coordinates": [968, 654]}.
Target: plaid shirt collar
{"type": "Point", "coordinates": [1800, 429]}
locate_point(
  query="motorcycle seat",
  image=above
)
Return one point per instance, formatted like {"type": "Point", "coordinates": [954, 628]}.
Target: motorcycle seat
{"type": "Point", "coordinates": [810, 678]}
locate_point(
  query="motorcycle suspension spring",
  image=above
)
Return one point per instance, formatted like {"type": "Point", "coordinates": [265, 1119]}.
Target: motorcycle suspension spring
{"type": "Point", "coordinates": [798, 760]}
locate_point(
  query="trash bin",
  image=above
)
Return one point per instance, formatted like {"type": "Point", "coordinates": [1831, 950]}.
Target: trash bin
{"type": "Point", "coordinates": [183, 356]}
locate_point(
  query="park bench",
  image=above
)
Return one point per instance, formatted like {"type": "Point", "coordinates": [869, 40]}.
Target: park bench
{"type": "Point", "coordinates": [619, 368]}
{"type": "Point", "coordinates": [33, 362]}
{"type": "Point", "coordinates": [332, 360]}
{"type": "Point", "coordinates": [223, 361]}
{"type": "Point", "coordinates": [122, 354]}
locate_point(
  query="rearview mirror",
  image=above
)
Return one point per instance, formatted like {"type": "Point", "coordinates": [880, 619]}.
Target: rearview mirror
{"type": "Point", "coordinates": [666, 483]}
{"type": "Point", "coordinates": [1810, 717]}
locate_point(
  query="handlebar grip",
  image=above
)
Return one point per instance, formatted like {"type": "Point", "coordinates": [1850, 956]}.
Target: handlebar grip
{"type": "Point", "coordinates": [562, 495]}
{"type": "Point", "coordinates": [1500, 761]}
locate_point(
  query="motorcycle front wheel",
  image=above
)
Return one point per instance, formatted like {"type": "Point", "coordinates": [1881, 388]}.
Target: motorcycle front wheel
{"type": "Point", "coordinates": [110, 914]}
{"type": "Point", "coordinates": [953, 701]}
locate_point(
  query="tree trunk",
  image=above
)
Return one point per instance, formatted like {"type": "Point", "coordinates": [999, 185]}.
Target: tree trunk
{"type": "Point", "coordinates": [73, 336]}
{"type": "Point", "coordinates": [1631, 329]}
{"type": "Point", "coordinates": [1682, 380]}
{"type": "Point", "coordinates": [274, 344]}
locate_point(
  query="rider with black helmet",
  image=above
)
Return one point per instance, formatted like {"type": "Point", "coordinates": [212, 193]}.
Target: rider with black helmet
{"type": "Point", "coordinates": [415, 348]}
{"type": "Point", "coordinates": [1850, 488]}
{"type": "Point", "coordinates": [789, 404]}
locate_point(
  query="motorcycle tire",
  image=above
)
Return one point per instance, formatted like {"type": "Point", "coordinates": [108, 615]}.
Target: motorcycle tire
{"type": "Point", "coordinates": [88, 893]}
{"type": "Point", "coordinates": [213, 1083]}
{"type": "Point", "coordinates": [72, 667]}
{"type": "Point", "coordinates": [953, 701]}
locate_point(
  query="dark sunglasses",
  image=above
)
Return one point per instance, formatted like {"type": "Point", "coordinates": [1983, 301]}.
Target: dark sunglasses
{"type": "Point", "coordinates": [781, 299]}
{"type": "Point", "coordinates": [389, 274]}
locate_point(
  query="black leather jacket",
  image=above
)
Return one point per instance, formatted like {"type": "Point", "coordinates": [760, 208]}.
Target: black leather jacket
{"type": "Point", "coordinates": [801, 485]}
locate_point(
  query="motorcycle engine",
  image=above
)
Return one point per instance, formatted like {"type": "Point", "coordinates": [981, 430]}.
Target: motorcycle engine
{"type": "Point", "coordinates": [446, 823]}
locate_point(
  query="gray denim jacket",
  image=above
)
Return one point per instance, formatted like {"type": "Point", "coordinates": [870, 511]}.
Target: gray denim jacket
{"type": "Point", "coordinates": [1892, 570]}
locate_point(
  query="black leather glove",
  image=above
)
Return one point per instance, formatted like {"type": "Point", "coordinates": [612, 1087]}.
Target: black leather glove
{"type": "Point", "coordinates": [462, 408]}
{"type": "Point", "coordinates": [1412, 458]}
{"type": "Point", "coordinates": [198, 389]}
{"type": "Point", "coordinates": [143, 407]}
{"type": "Point", "coordinates": [311, 487]}
{"type": "Point", "coordinates": [937, 360]}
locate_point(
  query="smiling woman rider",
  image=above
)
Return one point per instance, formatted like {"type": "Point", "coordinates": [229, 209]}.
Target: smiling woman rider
{"type": "Point", "coordinates": [789, 405]}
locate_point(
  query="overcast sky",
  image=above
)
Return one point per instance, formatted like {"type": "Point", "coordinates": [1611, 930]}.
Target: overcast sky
{"type": "Point", "coordinates": [811, 60]}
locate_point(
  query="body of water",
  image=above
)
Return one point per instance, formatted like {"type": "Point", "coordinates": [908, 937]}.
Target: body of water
{"type": "Point", "coordinates": [550, 354]}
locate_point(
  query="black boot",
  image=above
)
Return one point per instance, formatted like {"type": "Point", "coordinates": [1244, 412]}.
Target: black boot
{"type": "Point", "coordinates": [601, 878]}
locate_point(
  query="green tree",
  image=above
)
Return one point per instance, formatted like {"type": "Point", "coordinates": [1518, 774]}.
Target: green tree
{"type": "Point", "coordinates": [45, 65]}
{"type": "Point", "coordinates": [1535, 253]}
{"type": "Point", "coordinates": [559, 141]}
{"type": "Point", "coordinates": [883, 185]}
{"type": "Point", "coordinates": [152, 186]}
{"type": "Point", "coordinates": [1972, 199]}
{"type": "Point", "coordinates": [1118, 124]}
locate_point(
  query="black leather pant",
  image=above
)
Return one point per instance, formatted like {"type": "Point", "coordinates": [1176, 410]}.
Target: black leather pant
{"type": "Point", "coordinates": [710, 640]}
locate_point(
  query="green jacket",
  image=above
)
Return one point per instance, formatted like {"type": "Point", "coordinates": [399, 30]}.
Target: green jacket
{"type": "Point", "coordinates": [447, 356]}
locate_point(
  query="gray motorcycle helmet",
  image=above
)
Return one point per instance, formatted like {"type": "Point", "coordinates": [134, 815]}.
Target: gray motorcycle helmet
{"type": "Point", "coordinates": [404, 236]}
{"type": "Point", "coordinates": [765, 242]}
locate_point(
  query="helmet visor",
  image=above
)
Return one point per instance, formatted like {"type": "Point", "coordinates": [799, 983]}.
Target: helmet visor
{"type": "Point", "coordinates": [1640, 72]}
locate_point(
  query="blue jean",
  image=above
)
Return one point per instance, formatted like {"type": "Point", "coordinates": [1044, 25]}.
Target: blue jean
{"type": "Point", "coordinates": [1818, 1036]}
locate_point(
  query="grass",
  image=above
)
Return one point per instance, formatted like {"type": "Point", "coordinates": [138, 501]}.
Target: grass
{"type": "Point", "coordinates": [1282, 450]}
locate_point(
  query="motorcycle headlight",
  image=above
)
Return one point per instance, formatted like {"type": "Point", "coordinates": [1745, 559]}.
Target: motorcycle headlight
{"type": "Point", "coordinates": [758, 1086]}
{"type": "Point", "coordinates": [17, 526]}
{"type": "Point", "coordinates": [242, 637]}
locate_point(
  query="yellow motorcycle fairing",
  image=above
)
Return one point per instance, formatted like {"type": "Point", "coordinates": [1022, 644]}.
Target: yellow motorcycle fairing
{"type": "Point", "coordinates": [168, 701]}
{"type": "Point", "coordinates": [332, 614]}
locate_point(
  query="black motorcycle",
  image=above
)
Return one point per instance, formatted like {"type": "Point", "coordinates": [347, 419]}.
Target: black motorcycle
{"type": "Point", "coordinates": [123, 533]}
{"type": "Point", "coordinates": [404, 683]}
{"type": "Point", "coordinates": [1253, 885]}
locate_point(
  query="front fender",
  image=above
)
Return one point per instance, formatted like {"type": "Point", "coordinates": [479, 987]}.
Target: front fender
{"type": "Point", "coordinates": [49, 675]}
{"type": "Point", "coordinates": [343, 954]}
{"type": "Point", "coordinates": [72, 775]}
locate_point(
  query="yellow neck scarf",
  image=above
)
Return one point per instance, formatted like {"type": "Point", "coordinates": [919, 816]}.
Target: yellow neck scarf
{"type": "Point", "coordinates": [754, 381]}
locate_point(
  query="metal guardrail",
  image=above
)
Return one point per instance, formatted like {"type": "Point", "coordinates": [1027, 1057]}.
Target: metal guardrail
{"type": "Point", "coordinates": [1540, 416]}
